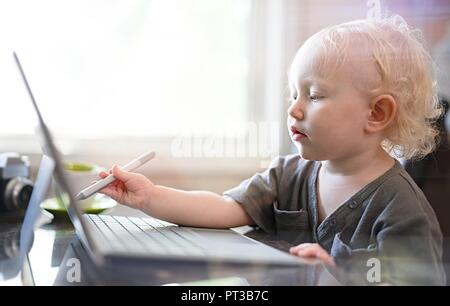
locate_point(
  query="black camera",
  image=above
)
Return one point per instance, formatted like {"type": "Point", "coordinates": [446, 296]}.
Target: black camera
{"type": "Point", "coordinates": [15, 185]}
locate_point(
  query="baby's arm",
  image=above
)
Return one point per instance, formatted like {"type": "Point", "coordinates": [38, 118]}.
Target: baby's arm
{"type": "Point", "coordinates": [191, 208]}
{"type": "Point", "coordinates": [196, 208]}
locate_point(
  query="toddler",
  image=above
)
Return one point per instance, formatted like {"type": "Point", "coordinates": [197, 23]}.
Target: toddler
{"type": "Point", "coordinates": [362, 93]}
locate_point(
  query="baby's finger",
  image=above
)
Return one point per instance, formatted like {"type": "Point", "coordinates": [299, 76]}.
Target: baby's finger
{"type": "Point", "coordinates": [294, 250]}
{"type": "Point", "coordinates": [310, 251]}
{"type": "Point", "coordinates": [317, 252]}
{"type": "Point", "coordinates": [107, 191]}
{"type": "Point", "coordinates": [111, 169]}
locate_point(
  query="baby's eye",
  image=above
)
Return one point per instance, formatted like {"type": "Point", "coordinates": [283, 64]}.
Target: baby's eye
{"type": "Point", "coordinates": [294, 98]}
{"type": "Point", "coordinates": [315, 97]}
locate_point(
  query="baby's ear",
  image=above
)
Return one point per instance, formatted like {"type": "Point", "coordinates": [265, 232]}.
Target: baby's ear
{"type": "Point", "coordinates": [383, 110]}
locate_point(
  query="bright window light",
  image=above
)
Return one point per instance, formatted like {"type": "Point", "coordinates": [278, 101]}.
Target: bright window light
{"type": "Point", "coordinates": [143, 68]}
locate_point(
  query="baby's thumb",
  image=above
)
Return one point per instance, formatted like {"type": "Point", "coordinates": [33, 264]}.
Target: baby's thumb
{"type": "Point", "coordinates": [120, 174]}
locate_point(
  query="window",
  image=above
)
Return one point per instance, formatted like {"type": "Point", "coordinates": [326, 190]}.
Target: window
{"type": "Point", "coordinates": [141, 68]}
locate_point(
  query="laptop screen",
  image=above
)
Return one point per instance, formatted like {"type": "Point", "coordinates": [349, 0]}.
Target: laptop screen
{"type": "Point", "coordinates": [62, 187]}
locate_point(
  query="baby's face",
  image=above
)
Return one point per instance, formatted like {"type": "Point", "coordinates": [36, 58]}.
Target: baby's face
{"type": "Point", "coordinates": [327, 117]}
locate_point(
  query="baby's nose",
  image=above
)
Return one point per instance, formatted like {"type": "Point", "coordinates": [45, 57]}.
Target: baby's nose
{"type": "Point", "coordinates": [295, 111]}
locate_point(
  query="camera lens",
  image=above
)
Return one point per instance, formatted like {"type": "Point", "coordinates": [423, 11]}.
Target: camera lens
{"type": "Point", "coordinates": [18, 193]}
{"type": "Point", "coordinates": [9, 244]}
{"type": "Point", "coordinates": [24, 196]}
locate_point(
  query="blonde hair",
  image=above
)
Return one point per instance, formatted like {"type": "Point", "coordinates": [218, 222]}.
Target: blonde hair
{"type": "Point", "coordinates": [402, 67]}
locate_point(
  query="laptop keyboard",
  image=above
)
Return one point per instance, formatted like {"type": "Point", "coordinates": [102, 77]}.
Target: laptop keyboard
{"type": "Point", "coordinates": [147, 235]}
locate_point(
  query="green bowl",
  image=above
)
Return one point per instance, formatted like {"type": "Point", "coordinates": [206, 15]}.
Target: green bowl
{"type": "Point", "coordinates": [78, 166]}
{"type": "Point", "coordinates": [97, 204]}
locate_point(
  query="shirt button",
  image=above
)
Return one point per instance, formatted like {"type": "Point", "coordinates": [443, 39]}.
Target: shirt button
{"type": "Point", "coordinates": [353, 204]}
{"type": "Point", "coordinates": [332, 222]}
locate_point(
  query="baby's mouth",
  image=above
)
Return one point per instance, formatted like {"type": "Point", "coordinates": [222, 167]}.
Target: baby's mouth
{"type": "Point", "coordinates": [297, 134]}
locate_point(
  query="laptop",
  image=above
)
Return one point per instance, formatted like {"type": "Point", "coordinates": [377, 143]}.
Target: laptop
{"type": "Point", "coordinates": [117, 239]}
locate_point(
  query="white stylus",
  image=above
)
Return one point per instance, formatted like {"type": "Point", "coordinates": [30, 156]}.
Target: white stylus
{"type": "Point", "coordinates": [134, 164]}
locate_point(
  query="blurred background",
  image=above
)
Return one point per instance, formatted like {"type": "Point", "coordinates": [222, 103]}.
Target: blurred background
{"type": "Point", "coordinates": [200, 82]}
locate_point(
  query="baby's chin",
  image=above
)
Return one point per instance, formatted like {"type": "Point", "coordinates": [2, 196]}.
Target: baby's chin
{"type": "Point", "coordinates": [309, 154]}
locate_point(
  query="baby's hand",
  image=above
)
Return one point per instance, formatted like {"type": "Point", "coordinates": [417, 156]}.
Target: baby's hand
{"type": "Point", "coordinates": [313, 250]}
{"type": "Point", "coordinates": [131, 189]}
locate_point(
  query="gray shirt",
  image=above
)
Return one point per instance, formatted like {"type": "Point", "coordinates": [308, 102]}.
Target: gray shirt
{"type": "Point", "coordinates": [388, 224]}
